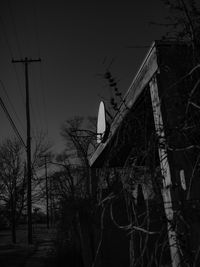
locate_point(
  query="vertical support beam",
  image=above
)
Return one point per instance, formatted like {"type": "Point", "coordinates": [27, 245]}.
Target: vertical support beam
{"type": "Point", "coordinates": [165, 170]}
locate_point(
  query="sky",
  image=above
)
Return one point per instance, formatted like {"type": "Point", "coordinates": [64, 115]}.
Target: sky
{"type": "Point", "coordinates": [77, 42]}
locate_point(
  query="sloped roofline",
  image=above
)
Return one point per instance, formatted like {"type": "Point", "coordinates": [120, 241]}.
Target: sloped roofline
{"type": "Point", "coordinates": [147, 69]}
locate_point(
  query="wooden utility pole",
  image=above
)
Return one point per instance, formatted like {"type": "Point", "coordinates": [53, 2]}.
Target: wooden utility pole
{"type": "Point", "coordinates": [26, 61]}
{"type": "Point", "coordinates": [47, 192]}
{"type": "Point", "coordinates": [51, 201]}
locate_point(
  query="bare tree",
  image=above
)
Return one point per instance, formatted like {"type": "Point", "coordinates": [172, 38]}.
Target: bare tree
{"type": "Point", "coordinates": [41, 147]}
{"type": "Point", "coordinates": [80, 139]}
{"type": "Point", "coordinates": [183, 24]}
{"type": "Point", "coordinates": [12, 180]}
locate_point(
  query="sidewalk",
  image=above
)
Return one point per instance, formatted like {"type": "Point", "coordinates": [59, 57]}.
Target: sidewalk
{"type": "Point", "coordinates": [40, 254]}
{"type": "Point", "coordinates": [44, 254]}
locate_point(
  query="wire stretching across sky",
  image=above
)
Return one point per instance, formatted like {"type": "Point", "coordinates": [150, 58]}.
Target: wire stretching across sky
{"type": "Point", "coordinates": [38, 105]}
{"type": "Point", "coordinates": [40, 101]}
{"type": "Point", "coordinates": [12, 122]}
{"type": "Point", "coordinates": [72, 39]}
{"type": "Point", "coordinates": [37, 40]}
{"type": "Point", "coordinates": [11, 104]}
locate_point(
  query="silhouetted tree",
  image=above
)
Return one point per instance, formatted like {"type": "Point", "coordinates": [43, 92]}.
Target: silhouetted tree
{"type": "Point", "coordinates": [12, 180]}
{"type": "Point", "coordinates": [80, 141]}
{"type": "Point", "coordinates": [183, 23]}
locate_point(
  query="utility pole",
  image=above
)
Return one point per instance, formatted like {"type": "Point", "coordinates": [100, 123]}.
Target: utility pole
{"type": "Point", "coordinates": [51, 202]}
{"type": "Point", "coordinates": [47, 192]}
{"type": "Point", "coordinates": [26, 61]}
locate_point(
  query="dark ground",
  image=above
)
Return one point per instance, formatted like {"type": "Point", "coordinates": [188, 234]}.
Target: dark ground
{"type": "Point", "coordinates": [40, 254]}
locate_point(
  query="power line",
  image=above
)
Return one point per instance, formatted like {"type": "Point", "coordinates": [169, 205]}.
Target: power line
{"type": "Point", "coordinates": [43, 96]}
{"type": "Point", "coordinates": [9, 100]}
{"type": "Point", "coordinates": [37, 36]}
{"type": "Point", "coordinates": [40, 102]}
{"type": "Point", "coordinates": [33, 115]}
{"type": "Point", "coordinates": [11, 122]}
{"type": "Point", "coordinates": [37, 101]}
{"type": "Point", "coordinates": [3, 26]}
{"type": "Point", "coordinates": [11, 55]}
{"type": "Point", "coordinates": [15, 28]}
{"type": "Point", "coordinates": [6, 36]}
{"type": "Point", "coordinates": [19, 85]}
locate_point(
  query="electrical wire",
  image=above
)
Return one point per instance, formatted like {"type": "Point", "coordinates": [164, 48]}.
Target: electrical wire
{"type": "Point", "coordinates": [10, 52]}
{"type": "Point", "coordinates": [36, 28]}
{"type": "Point", "coordinates": [37, 99]}
{"type": "Point", "coordinates": [43, 97]}
{"type": "Point", "coordinates": [38, 118]}
{"type": "Point", "coordinates": [19, 50]}
{"type": "Point", "coordinates": [14, 28]}
{"type": "Point", "coordinates": [11, 122]}
{"type": "Point", "coordinates": [6, 37]}
{"type": "Point", "coordinates": [9, 100]}
{"type": "Point", "coordinates": [19, 85]}
{"type": "Point", "coordinates": [37, 37]}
